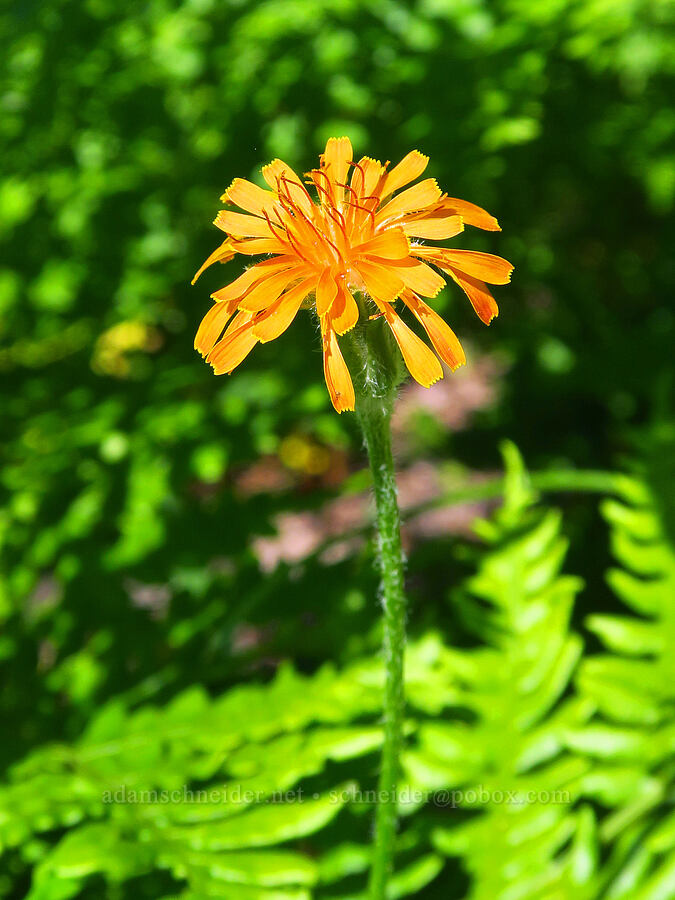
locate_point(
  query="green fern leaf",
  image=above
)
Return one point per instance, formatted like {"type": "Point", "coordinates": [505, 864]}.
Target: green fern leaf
{"type": "Point", "coordinates": [510, 780]}
{"type": "Point", "coordinates": [632, 687]}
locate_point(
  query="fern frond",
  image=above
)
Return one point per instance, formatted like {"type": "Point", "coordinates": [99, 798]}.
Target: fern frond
{"type": "Point", "coordinates": [511, 781]}
{"type": "Point", "coordinates": [632, 736]}
{"type": "Point", "coordinates": [219, 792]}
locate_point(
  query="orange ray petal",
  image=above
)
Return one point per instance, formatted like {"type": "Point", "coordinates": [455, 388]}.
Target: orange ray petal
{"type": "Point", "coordinates": [356, 182]}
{"type": "Point", "coordinates": [224, 253]}
{"type": "Point", "coordinates": [345, 311]}
{"type": "Point", "coordinates": [434, 228]}
{"type": "Point", "coordinates": [479, 295]}
{"type": "Point", "coordinates": [232, 349]}
{"type": "Point", "coordinates": [381, 281]}
{"type": "Point", "coordinates": [242, 226]}
{"type": "Point", "coordinates": [367, 177]}
{"type": "Point", "coordinates": [410, 168]}
{"type": "Point", "coordinates": [336, 373]}
{"type": "Point", "coordinates": [242, 318]}
{"type": "Point", "coordinates": [275, 169]}
{"type": "Point", "coordinates": [443, 338]}
{"type": "Point", "coordinates": [418, 276]}
{"type": "Point", "coordinates": [364, 196]}
{"type": "Point", "coordinates": [250, 197]}
{"type": "Point", "coordinates": [274, 321]}
{"type": "Point", "coordinates": [280, 176]}
{"type": "Point", "coordinates": [472, 214]}
{"type": "Point", "coordinates": [326, 292]}
{"type": "Point", "coordinates": [211, 326]}
{"type": "Point", "coordinates": [247, 279]}
{"type": "Point", "coordinates": [422, 363]}
{"type": "Point", "coordinates": [413, 198]}
{"type": "Point", "coordinates": [484, 266]}
{"type": "Point", "coordinates": [336, 158]}
{"type": "Point", "coordinates": [266, 292]}
{"type": "Point", "coordinates": [254, 246]}
{"type": "Point", "coordinates": [390, 244]}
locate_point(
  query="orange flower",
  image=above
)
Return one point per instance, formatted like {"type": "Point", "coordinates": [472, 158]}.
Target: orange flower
{"type": "Point", "coordinates": [359, 236]}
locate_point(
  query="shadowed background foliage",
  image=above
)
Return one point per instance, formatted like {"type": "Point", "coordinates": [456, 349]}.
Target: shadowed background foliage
{"type": "Point", "coordinates": [160, 528]}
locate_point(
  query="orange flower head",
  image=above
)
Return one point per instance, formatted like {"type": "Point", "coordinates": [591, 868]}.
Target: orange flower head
{"type": "Point", "coordinates": [362, 234]}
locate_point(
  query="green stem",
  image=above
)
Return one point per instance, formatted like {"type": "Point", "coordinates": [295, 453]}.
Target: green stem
{"type": "Point", "coordinates": [377, 369]}
{"type": "Point", "coordinates": [376, 428]}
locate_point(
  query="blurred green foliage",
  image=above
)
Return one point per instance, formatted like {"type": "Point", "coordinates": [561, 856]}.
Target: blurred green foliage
{"type": "Point", "coordinates": [127, 568]}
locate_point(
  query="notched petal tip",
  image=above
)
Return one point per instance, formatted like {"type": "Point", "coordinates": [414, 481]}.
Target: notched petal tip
{"type": "Point", "coordinates": [224, 196]}
{"type": "Point", "coordinates": [430, 383]}
{"type": "Point", "coordinates": [340, 331]}
{"type": "Point", "coordinates": [271, 164]}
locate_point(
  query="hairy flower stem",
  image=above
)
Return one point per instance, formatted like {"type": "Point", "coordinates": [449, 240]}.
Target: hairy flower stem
{"type": "Point", "coordinates": [376, 429]}
{"type": "Point", "coordinates": [379, 366]}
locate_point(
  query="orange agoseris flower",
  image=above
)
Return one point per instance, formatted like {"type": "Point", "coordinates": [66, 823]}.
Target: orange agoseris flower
{"type": "Point", "coordinates": [358, 236]}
